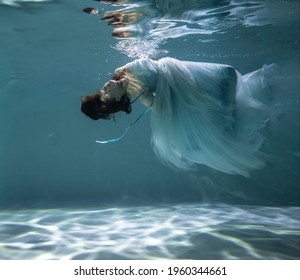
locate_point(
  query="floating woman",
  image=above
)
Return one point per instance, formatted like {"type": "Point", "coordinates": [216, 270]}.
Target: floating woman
{"type": "Point", "coordinates": [201, 113]}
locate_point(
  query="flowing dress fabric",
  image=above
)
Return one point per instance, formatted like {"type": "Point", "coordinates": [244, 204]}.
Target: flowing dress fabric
{"type": "Point", "coordinates": [206, 114]}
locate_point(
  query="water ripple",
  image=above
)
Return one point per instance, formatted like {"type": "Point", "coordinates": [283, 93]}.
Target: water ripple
{"type": "Point", "coordinates": [174, 232]}
{"type": "Point", "coordinates": [150, 23]}
{"type": "Point", "coordinates": [16, 3]}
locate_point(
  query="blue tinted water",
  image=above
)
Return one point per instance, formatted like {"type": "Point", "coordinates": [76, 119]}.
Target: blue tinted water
{"type": "Point", "coordinates": [51, 53]}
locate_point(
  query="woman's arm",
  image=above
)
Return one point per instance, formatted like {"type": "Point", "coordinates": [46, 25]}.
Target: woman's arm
{"type": "Point", "coordinates": [134, 87]}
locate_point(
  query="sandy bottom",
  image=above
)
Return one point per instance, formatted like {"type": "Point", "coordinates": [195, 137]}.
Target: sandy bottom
{"type": "Point", "coordinates": [169, 232]}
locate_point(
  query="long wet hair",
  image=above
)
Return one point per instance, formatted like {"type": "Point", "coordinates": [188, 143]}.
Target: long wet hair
{"type": "Point", "coordinates": [93, 107]}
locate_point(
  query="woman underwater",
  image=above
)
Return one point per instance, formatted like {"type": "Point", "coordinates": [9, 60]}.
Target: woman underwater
{"type": "Point", "coordinates": [202, 113]}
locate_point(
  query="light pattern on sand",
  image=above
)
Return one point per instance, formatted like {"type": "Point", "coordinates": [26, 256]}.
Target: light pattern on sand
{"type": "Point", "coordinates": [173, 232]}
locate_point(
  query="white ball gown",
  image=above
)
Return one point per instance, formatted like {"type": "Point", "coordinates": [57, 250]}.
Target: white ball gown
{"type": "Point", "coordinates": [205, 113]}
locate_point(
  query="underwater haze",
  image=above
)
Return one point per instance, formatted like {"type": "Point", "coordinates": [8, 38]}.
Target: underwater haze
{"type": "Point", "coordinates": [64, 196]}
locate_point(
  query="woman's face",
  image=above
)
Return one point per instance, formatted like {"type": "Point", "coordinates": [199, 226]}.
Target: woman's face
{"type": "Point", "coordinates": [112, 90]}
{"type": "Point", "coordinates": [110, 99]}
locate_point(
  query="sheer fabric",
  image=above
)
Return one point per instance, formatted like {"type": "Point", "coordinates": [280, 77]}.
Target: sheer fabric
{"type": "Point", "coordinates": [206, 113]}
